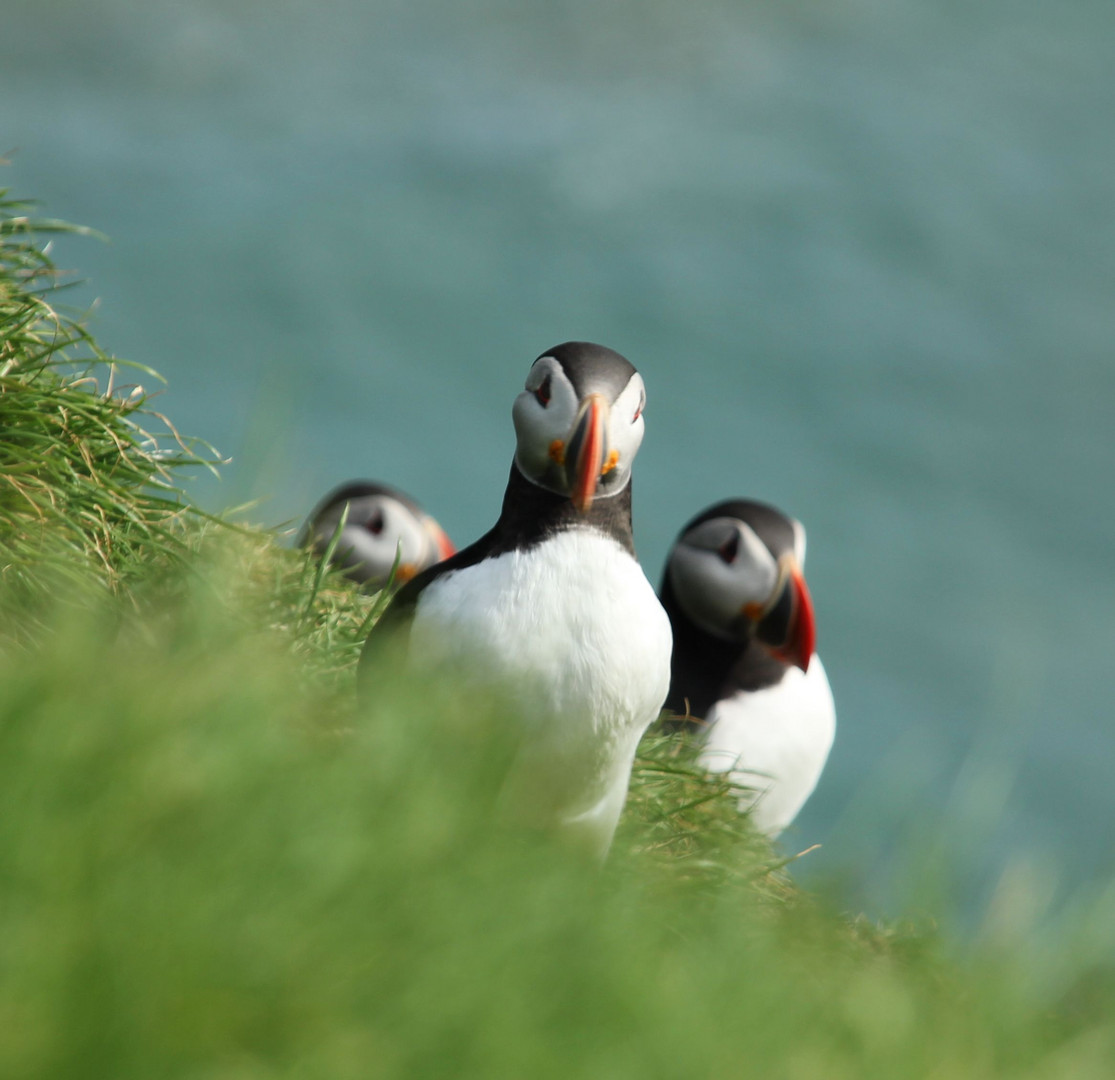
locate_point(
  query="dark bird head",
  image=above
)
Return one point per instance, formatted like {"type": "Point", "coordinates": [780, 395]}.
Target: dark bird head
{"type": "Point", "coordinates": [579, 422]}
{"type": "Point", "coordinates": [381, 524]}
{"type": "Point", "coordinates": [736, 573]}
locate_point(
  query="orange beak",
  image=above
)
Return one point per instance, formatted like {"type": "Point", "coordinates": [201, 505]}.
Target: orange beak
{"type": "Point", "coordinates": [585, 451]}
{"type": "Point", "coordinates": [442, 542]}
{"type": "Point", "coordinates": [787, 626]}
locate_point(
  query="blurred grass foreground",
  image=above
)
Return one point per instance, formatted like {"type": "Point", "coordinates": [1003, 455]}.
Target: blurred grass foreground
{"type": "Point", "coordinates": [212, 865]}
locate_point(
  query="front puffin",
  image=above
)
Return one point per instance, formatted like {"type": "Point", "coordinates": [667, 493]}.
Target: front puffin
{"type": "Point", "coordinates": [550, 605]}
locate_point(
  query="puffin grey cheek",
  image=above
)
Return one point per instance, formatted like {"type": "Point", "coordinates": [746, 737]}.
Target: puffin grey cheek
{"type": "Point", "coordinates": [704, 592]}
{"type": "Point", "coordinates": [715, 593]}
{"type": "Point", "coordinates": [535, 434]}
{"type": "Point", "coordinates": [358, 555]}
{"type": "Point", "coordinates": [624, 439]}
{"type": "Point", "coordinates": [406, 534]}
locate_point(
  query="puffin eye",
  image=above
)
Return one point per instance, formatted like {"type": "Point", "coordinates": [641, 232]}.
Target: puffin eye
{"type": "Point", "coordinates": [375, 523]}
{"type": "Point", "coordinates": [543, 392]}
{"type": "Point", "coordinates": [729, 549]}
{"type": "Point", "coordinates": [639, 410]}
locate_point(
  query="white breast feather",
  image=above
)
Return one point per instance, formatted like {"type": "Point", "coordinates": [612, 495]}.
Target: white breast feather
{"type": "Point", "coordinates": [574, 631]}
{"type": "Point", "coordinates": [773, 743]}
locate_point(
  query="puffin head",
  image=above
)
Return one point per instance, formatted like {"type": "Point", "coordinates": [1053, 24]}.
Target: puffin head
{"type": "Point", "coordinates": [381, 524]}
{"type": "Point", "coordinates": [579, 422]}
{"type": "Point", "coordinates": [736, 573]}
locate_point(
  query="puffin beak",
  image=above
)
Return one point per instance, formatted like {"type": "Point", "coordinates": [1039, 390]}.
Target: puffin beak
{"type": "Point", "coordinates": [586, 449]}
{"type": "Point", "coordinates": [404, 572]}
{"type": "Point", "coordinates": [786, 625]}
{"type": "Point", "coordinates": [442, 542]}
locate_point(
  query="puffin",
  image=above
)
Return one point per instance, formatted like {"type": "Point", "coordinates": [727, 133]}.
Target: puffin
{"type": "Point", "coordinates": [382, 524]}
{"type": "Point", "coordinates": [550, 605]}
{"type": "Point", "coordinates": [744, 660]}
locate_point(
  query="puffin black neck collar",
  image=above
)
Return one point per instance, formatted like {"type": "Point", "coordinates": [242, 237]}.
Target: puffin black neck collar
{"type": "Point", "coordinates": [532, 514]}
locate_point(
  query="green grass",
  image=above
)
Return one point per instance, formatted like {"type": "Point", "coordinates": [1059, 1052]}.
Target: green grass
{"type": "Point", "coordinates": [214, 864]}
{"type": "Point", "coordinates": [86, 497]}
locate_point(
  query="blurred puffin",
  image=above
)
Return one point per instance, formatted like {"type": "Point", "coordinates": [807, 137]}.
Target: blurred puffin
{"type": "Point", "coordinates": [381, 524]}
{"type": "Point", "coordinates": [743, 655]}
{"type": "Point", "coordinates": [551, 605]}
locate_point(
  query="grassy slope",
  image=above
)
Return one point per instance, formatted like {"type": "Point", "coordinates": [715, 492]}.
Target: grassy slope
{"type": "Point", "coordinates": [86, 500]}
{"type": "Point", "coordinates": [212, 864]}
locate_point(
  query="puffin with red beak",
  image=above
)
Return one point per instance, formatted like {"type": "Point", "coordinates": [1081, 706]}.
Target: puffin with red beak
{"type": "Point", "coordinates": [382, 525]}
{"type": "Point", "coordinates": [550, 605]}
{"type": "Point", "coordinates": [744, 660]}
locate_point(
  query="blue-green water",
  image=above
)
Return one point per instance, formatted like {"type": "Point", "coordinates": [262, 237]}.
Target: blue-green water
{"type": "Point", "coordinates": [863, 253]}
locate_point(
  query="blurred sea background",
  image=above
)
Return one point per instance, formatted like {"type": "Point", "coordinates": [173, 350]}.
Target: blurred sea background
{"type": "Point", "coordinates": [863, 253]}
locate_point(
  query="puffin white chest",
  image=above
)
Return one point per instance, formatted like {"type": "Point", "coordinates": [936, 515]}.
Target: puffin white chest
{"type": "Point", "coordinates": [571, 627]}
{"type": "Point", "coordinates": [773, 743]}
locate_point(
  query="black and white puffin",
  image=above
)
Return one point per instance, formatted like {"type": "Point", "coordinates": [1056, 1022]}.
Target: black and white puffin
{"type": "Point", "coordinates": [382, 524]}
{"type": "Point", "coordinates": [551, 604]}
{"type": "Point", "coordinates": [743, 656]}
